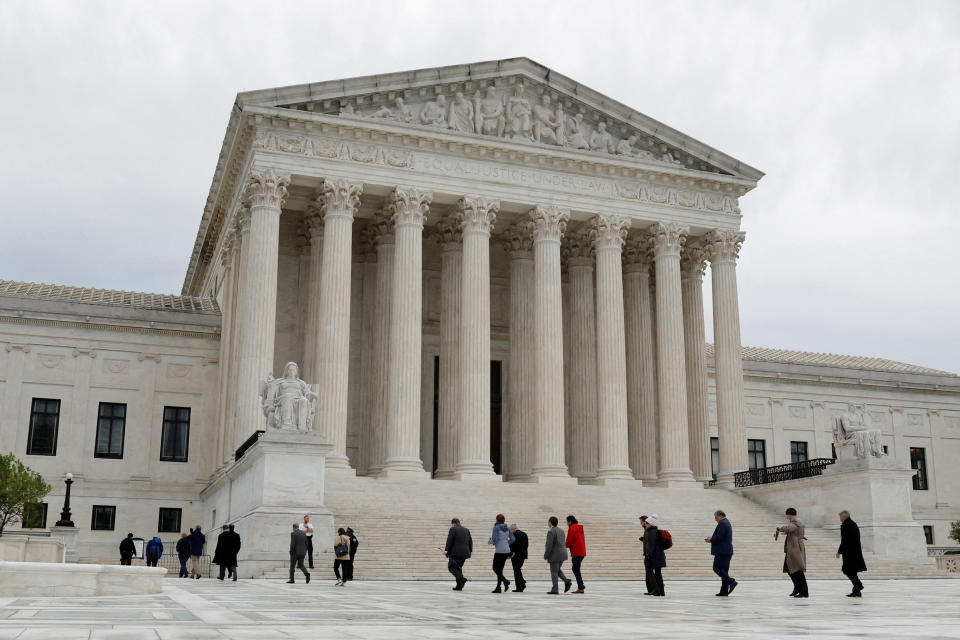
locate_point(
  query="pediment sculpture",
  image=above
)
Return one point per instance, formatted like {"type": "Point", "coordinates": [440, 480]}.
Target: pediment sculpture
{"type": "Point", "coordinates": [289, 403]}
{"type": "Point", "coordinates": [853, 434]}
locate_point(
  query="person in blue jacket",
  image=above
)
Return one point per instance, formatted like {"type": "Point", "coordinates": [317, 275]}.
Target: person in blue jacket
{"type": "Point", "coordinates": [197, 540]}
{"type": "Point", "coordinates": [721, 548]}
{"type": "Point", "coordinates": [153, 551]}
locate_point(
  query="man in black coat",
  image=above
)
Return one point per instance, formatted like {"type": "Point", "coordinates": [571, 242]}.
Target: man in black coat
{"type": "Point", "coordinates": [851, 552]}
{"type": "Point", "coordinates": [127, 549]}
{"type": "Point", "coordinates": [221, 556]}
{"type": "Point", "coordinates": [518, 554]}
{"type": "Point", "coordinates": [459, 547]}
{"type": "Point", "coordinates": [354, 545]}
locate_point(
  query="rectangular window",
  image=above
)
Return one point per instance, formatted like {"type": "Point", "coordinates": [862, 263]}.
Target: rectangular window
{"type": "Point", "coordinates": [798, 451]}
{"type": "Point", "coordinates": [44, 421]}
{"type": "Point", "coordinates": [928, 533]}
{"type": "Point", "coordinates": [169, 520]}
{"type": "Point", "coordinates": [714, 456]}
{"type": "Point", "coordinates": [918, 461]}
{"type": "Point", "coordinates": [176, 434]}
{"type": "Point", "coordinates": [111, 421]}
{"type": "Point", "coordinates": [34, 516]}
{"type": "Point", "coordinates": [757, 454]}
{"type": "Point", "coordinates": [103, 518]}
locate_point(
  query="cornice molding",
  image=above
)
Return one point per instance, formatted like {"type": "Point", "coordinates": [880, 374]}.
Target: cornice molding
{"type": "Point", "coordinates": [94, 326]}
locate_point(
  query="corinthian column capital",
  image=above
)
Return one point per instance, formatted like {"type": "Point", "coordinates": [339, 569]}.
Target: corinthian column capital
{"type": "Point", "coordinates": [409, 205]}
{"type": "Point", "coordinates": [693, 260]}
{"type": "Point", "coordinates": [266, 188]}
{"type": "Point", "coordinates": [477, 213]}
{"type": "Point", "coordinates": [339, 197]}
{"type": "Point", "coordinates": [241, 220]}
{"type": "Point", "coordinates": [609, 231]}
{"type": "Point", "coordinates": [637, 254]}
{"type": "Point", "coordinates": [313, 218]}
{"type": "Point", "coordinates": [448, 233]}
{"type": "Point", "coordinates": [666, 238]}
{"type": "Point", "coordinates": [518, 238]}
{"type": "Point", "coordinates": [549, 222]}
{"type": "Point", "coordinates": [577, 245]}
{"type": "Point", "coordinates": [723, 245]}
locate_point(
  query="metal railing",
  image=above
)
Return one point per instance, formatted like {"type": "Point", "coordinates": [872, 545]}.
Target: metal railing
{"type": "Point", "coordinates": [782, 472]}
{"type": "Point", "coordinates": [170, 561]}
{"type": "Point", "coordinates": [249, 442]}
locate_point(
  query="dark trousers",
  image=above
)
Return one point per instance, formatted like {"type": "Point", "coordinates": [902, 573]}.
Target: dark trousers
{"type": "Point", "coordinates": [347, 567]}
{"type": "Point", "coordinates": [455, 566]}
{"type": "Point", "coordinates": [517, 563]}
{"type": "Point", "coordinates": [648, 576]}
{"type": "Point", "coordinates": [348, 570]}
{"type": "Point", "coordinates": [657, 581]}
{"type": "Point", "coordinates": [721, 567]}
{"type": "Point", "coordinates": [799, 583]}
{"type": "Point", "coordinates": [857, 585]}
{"type": "Point", "coordinates": [230, 571]}
{"type": "Point", "coordinates": [125, 559]}
{"type": "Point", "coordinates": [310, 550]}
{"type": "Point", "coordinates": [499, 562]}
{"type": "Point", "coordinates": [577, 561]}
{"type": "Point", "coordinates": [296, 561]}
{"type": "Point", "coordinates": [183, 567]}
{"type": "Point", "coordinates": [152, 561]}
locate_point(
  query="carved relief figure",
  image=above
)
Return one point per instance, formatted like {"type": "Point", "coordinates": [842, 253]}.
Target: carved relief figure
{"type": "Point", "coordinates": [854, 428]}
{"type": "Point", "coordinates": [601, 140]}
{"type": "Point", "coordinates": [576, 133]}
{"type": "Point", "coordinates": [288, 402]}
{"type": "Point", "coordinates": [625, 146]}
{"type": "Point", "coordinates": [403, 113]}
{"type": "Point", "coordinates": [545, 128]}
{"type": "Point", "coordinates": [460, 116]}
{"type": "Point", "coordinates": [383, 112]}
{"type": "Point", "coordinates": [489, 110]}
{"type": "Point", "coordinates": [518, 115]}
{"type": "Point", "coordinates": [435, 113]}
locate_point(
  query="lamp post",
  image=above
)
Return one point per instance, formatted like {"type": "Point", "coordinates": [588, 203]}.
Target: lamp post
{"type": "Point", "coordinates": [65, 520]}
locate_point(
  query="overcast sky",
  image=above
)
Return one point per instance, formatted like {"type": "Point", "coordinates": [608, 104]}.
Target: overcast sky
{"type": "Point", "coordinates": [112, 116]}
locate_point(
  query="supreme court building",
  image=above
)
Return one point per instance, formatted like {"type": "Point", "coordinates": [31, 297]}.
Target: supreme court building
{"type": "Point", "coordinates": [489, 271]}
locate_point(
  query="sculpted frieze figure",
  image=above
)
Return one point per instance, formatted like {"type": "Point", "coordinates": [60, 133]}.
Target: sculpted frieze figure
{"type": "Point", "coordinates": [489, 113]}
{"type": "Point", "coordinates": [625, 146]}
{"type": "Point", "coordinates": [434, 113]}
{"type": "Point", "coordinates": [548, 122]}
{"type": "Point", "coordinates": [288, 402]}
{"type": "Point", "coordinates": [601, 140]}
{"type": "Point", "coordinates": [852, 433]}
{"type": "Point", "coordinates": [519, 114]}
{"type": "Point", "coordinates": [576, 135]}
{"type": "Point", "coordinates": [460, 115]}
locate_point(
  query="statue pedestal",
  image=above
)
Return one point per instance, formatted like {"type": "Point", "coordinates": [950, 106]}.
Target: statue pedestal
{"type": "Point", "coordinates": [276, 482]}
{"type": "Point", "coordinates": [68, 536]}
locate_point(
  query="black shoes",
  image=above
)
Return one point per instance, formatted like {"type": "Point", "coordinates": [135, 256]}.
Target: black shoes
{"type": "Point", "coordinates": [506, 586]}
{"type": "Point", "coordinates": [553, 593]}
{"type": "Point", "coordinates": [733, 585]}
{"type": "Point", "coordinates": [793, 594]}
{"type": "Point", "coordinates": [567, 586]}
{"type": "Point", "coordinates": [308, 578]}
{"type": "Point", "coordinates": [497, 590]}
{"type": "Point", "coordinates": [290, 582]}
{"type": "Point", "coordinates": [802, 595]}
{"type": "Point", "coordinates": [722, 595]}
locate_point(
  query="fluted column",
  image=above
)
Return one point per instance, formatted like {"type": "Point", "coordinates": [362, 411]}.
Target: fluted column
{"type": "Point", "coordinates": [228, 259]}
{"type": "Point", "coordinates": [477, 216]}
{"type": "Point", "coordinates": [520, 413]}
{"type": "Point", "coordinates": [451, 279]}
{"type": "Point", "coordinates": [692, 266]}
{"type": "Point", "coordinates": [577, 249]}
{"type": "Point", "coordinates": [641, 362]}
{"type": "Point", "coordinates": [724, 248]}
{"type": "Point", "coordinates": [339, 202]}
{"type": "Point", "coordinates": [313, 221]}
{"type": "Point", "coordinates": [265, 193]}
{"type": "Point", "coordinates": [667, 239]}
{"type": "Point", "coordinates": [409, 206]}
{"type": "Point", "coordinates": [609, 232]}
{"type": "Point", "coordinates": [367, 380]}
{"type": "Point", "coordinates": [380, 355]}
{"type": "Point", "coordinates": [242, 234]}
{"type": "Point", "coordinates": [549, 223]}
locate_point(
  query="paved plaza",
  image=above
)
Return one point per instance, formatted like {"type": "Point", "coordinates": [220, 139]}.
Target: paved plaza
{"type": "Point", "coordinates": [265, 609]}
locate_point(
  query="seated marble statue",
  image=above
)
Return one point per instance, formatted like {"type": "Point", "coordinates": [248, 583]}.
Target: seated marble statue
{"type": "Point", "coordinates": [853, 428]}
{"type": "Point", "coordinates": [288, 402]}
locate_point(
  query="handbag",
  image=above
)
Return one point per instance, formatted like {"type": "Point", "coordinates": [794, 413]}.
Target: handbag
{"type": "Point", "coordinates": [342, 549]}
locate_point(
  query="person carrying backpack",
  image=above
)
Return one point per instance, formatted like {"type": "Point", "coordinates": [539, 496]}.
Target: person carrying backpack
{"type": "Point", "coordinates": [154, 551]}
{"type": "Point", "coordinates": [657, 542]}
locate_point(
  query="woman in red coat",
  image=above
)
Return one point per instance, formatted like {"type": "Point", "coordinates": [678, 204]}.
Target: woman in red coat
{"type": "Point", "coordinates": [578, 548]}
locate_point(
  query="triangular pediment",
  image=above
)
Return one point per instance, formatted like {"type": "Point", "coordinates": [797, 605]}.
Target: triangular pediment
{"type": "Point", "coordinates": [515, 100]}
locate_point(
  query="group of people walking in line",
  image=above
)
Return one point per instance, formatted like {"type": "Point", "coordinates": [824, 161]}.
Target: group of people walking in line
{"type": "Point", "coordinates": [345, 546]}
{"type": "Point", "coordinates": [512, 543]}
{"type": "Point", "coordinates": [189, 551]}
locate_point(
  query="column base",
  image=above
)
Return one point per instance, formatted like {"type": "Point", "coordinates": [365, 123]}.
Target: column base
{"type": "Point", "coordinates": [404, 468]}
{"type": "Point", "coordinates": [615, 473]}
{"type": "Point", "coordinates": [444, 475]}
{"type": "Point", "coordinates": [678, 483]}
{"type": "Point", "coordinates": [617, 481]}
{"type": "Point", "coordinates": [551, 475]}
{"type": "Point", "coordinates": [342, 472]}
{"type": "Point", "coordinates": [481, 476]}
{"type": "Point", "coordinates": [337, 462]}
{"type": "Point", "coordinates": [517, 477]}
{"type": "Point", "coordinates": [725, 481]}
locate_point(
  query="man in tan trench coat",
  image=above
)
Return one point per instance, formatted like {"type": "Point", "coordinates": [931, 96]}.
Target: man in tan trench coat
{"type": "Point", "coordinates": [795, 561]}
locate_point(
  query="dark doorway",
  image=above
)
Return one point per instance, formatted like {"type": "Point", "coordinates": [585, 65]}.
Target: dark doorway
{"type": "Point", "coordinates": [496, 400]}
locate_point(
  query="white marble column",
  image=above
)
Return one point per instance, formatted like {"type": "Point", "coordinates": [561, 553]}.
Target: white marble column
{"type": "Point", "coordinates": [242, 236]}
{"type": "Point", "coordinates": [692, 265]}
{"type": "Point", "coordinates": [265, 193]}
{"type": "Point", "coordinates": [380, 356]}
{"type": "Point", "coordinates": [549, 223]}
{"type": "Point", "coordinates": [409, 206]}
{"type": "Point", "coordinates": [313, 221]}
{"type": "Point", "coordinates": [581, 357]}
{"type": "Point", "coordinates": [520, 413]}
{"type": "Point", "coordinates": [367, 380]}
{"type": "Point", "coordinates": [724, 248]}
{"type": "Point", "coordinates": [609, 232]}
{"type": "Point", "coordinates": [451, 280]}
{"type": "Point", "coordinates": [641, 362]}
{"type": "Point", "coordinates": [228, 259]}
{"type": "Point", "coordinates": [477, 216]}
{"type": "Point", "coordinates": [667, 239]}
{"type": "Point", "coordinates": [340, 200]}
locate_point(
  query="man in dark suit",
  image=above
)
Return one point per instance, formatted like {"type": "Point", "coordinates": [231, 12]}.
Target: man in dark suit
{"type": "Point", "coordinates": [298, 550]}
{"type": "Point", "coordinates": [234, 551]}
{"type": "Point", "coordinates": [459, 547]}
{"type": "Point", "coordinates": [221, 556]}
{"type": "Point", "coordinates": [851, 552]}
{"type": "Point", "coordinates": [127, 549]}
{"type": "Point", "coordinates": [518, 554]}
{"type": "Point", "coordinates": [721, 548]}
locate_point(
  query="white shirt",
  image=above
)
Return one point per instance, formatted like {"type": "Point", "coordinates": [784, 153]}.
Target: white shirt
{"type": "Point", "coordinates": [307, 527]}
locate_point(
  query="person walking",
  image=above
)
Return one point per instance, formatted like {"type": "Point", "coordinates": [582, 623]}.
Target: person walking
{"type": "Point", "coordinates": [234, 550]}
{"type": "Point", "coordinates": [518, 555]}
{"type": "Point", "coordinates": [658, 559]}
{"type": "Point", "coordinates": [127, 549]}
{"type": "Point", "coordinates": [197, 540]}
{"type": "Point", "coordinates": [458, 549]}
{"type": "Point", "coordinates": [851, 552]}
{"type": "Point", "coordinates": [354, 544]}
{"type": "Point", "coordinates": [298, 549]}
{"type": "Point", "coordinates": [795, 553]}
{"type": "Point", "coordinates": [307, 529]}
{"type": "Point", "coordinates": [223, 541]}
{"type": "Point", "coordinates": [341, 550]}
{"type": "Point", "coordinates": [721, 548]}
{"type": "Point", "coordinates": [647, 568]}
{"type": "Point", "coordinates": [501, 538]}
{"type": "Point", "coordinates": [183, 554]}
{"type": "Point", "coordinates": [228, 545]}
{"type": "Point", "coordinates": [153, 551]}
{"type": "Point", "coordinates": [555, 553]}
{"type": "Point", "coordinates": [577, 544]}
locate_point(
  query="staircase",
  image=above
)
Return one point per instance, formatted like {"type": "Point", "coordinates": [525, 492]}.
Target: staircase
{"type": "Point", "coordinates": [400, 525]}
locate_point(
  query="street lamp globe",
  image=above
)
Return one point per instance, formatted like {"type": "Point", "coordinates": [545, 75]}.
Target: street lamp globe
{"type": "Point", "coordinates": [69, 476]}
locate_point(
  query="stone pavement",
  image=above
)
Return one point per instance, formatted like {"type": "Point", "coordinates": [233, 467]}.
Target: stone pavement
{"type": "Point", "coordinates": [265, 609]}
